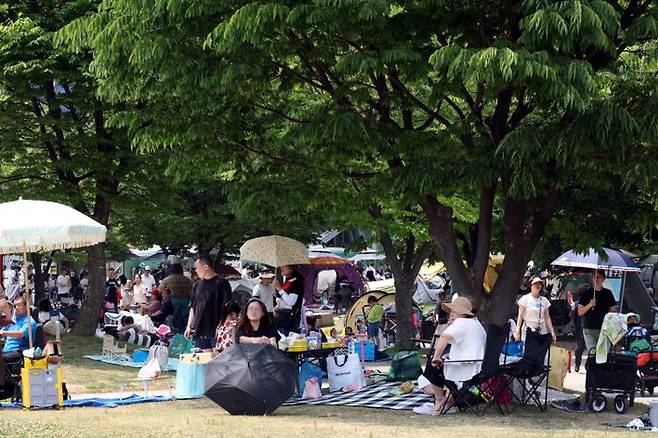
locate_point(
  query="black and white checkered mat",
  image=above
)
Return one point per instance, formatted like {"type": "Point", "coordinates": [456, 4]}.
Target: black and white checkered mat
{"type": "Point", "coordinates": [378, 396]}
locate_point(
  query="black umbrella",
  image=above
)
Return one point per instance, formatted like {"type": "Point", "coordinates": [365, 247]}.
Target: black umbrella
{"type": "Point", "coordinates": [250, 379]}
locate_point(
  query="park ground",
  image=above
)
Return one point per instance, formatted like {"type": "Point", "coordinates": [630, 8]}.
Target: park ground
{"type": "Point", "coordinates": [203, 418]}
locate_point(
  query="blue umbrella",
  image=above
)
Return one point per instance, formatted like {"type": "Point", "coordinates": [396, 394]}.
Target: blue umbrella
{"type": "Point", "coordinates": [612, 259]}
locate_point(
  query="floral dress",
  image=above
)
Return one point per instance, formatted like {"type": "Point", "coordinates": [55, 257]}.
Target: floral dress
{"type": "Point", "coordinates": [225, 335]}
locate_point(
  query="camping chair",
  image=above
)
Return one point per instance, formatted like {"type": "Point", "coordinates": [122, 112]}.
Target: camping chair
{"type": "Point", "coordinates": [531, 371]}
{"type": "Point", "coordinates": [471, 392]}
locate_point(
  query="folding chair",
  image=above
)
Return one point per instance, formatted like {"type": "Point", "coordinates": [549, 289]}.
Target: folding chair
{"type": "Point", "coordinates": [471, 392]}
{"type": "Point", "coordinates": [531, 371]}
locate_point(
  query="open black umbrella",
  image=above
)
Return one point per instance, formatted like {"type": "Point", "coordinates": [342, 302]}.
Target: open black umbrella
{"type": "Point", "coordinates": [250, 379]}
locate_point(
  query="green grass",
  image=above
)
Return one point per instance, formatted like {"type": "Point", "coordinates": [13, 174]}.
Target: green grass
{"type": "Point", "coordinates": [84, 376]}
{"type": "Point", "coordinates": [203, 418]}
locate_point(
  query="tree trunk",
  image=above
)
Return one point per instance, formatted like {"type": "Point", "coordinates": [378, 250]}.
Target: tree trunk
{"type": "Point", "coordinates": [90, 313]}
{"type": "Point", "coordinates": [404, 307]}
{"type": "Point", "coordinates": [39, 288]}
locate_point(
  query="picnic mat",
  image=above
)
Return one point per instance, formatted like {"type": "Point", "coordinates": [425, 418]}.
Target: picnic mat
{"type": "Point", "coordinates": [377, 396]}
{"type": "Point", "coordinates": [99, 402]}
{"type": "Point", "coordinates": [172, 364]}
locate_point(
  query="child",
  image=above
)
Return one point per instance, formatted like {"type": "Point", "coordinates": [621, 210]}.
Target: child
{"type": "Point", "coordinates": [637, 337]}
{"type": "Point", "coordinates": [374, 316]}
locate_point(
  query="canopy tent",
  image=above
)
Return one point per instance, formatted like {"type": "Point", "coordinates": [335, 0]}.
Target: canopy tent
{"type": "Point", "coordinates": [343, 271]}
{"type": "Point", "coordinates": [357, 309]}
{"type": "Point", "coordinates": [369, 255]}
{"type": "Point", "coordinates": [429, 271]}
{"type": "Point", "coordinates": [637, 299]}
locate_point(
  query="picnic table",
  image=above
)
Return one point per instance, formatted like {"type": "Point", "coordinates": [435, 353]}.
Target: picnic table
{"type": "Point", "coordinates": [311, 355]}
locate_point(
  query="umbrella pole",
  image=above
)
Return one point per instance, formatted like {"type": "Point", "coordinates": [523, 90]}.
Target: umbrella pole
{"type": "Point", "coordinates": [27, 297]}
{"type": "Point", "coordinates": [621, 294]}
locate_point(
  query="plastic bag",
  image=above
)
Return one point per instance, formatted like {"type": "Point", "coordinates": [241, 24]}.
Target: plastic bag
{"type": "Point", "coordinates": [307, 371]}
{"type": "Point", "coordinates": [312, 389]}
{"type": "Point", "coordinates": [149, 371]}
{"type": "Point", "coordinates": [159, 352]}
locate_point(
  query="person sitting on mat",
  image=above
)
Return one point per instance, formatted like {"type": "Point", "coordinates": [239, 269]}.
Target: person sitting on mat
{"type": "Point", "coordinates": [466, 338]}
{"type": "Point", "coordinates": [255, 326]}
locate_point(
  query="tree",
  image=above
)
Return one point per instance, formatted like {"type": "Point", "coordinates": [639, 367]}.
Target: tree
{"type": "Point", "coordinates": [446, 106]}
{"type": "Point", "coordinates": [54, 138]}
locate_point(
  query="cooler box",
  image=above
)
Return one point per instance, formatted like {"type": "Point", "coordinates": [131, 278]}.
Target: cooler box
{"type": "Point", "coordinates": [191, 375]}
{"type": "Point", "coordinates": [42, 387]}
{"type": "Point", "coordinates": [369, 350]}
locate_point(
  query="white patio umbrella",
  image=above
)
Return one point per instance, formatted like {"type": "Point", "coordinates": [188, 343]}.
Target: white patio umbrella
{"type": "Point", "coordinates": [275, 251]}
{"type": "Point", "coordinates": [31, 226]}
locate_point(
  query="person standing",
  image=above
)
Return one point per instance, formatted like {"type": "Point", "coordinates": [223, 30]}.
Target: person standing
{"type": "Point", "coordinates": [287, 313]}
{"type": "Point", "coordinates": [111, 290]}
{"type": "Point", "coordinates": [594, 303]}
{"type": "Point", "coordinates": [63, 284]}
{"type": "Point", "coordinates": [265, 291]}
{"type": "Point", "coordinates": [147, 279]}
{"type": "Point", "coordinates": [207, 310]}
{"type": "Point", "coordinates": [578, 331]}
{"type": "Point", "coordinates": [533, 312]}
{"type": "Point", "coordinates": [139, 291]}
{"type": "Point", "coordinates": [180, 287]}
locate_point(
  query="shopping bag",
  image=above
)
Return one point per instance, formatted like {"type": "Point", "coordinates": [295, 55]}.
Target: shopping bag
{"type": "Point", "coordinates": [160, 352]}
{"type": "Point", "coordinates": [513, 349]}
{"type": "Point", "coordinates": [344, 371]}
{"type": "Point", "coordinates": [179, 345]}
{"type": "Point", "coordinates": [405, 366]}
{"type": "Point", "coordinates": [190, 380]}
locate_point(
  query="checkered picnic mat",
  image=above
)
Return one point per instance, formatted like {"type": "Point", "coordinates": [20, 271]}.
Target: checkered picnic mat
{"type": "Point", "coordinates": [378, 396]}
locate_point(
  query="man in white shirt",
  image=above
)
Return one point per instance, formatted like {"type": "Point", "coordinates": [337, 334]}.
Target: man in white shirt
{"type": "Point", "coordinates": [147, 279]}
{"type": "Point", "coordinates": [265, 291]}
{"type": "Point", "coordinates": [63, 283]}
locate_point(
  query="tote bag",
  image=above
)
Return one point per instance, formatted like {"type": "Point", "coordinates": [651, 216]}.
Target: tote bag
{"type": "Point", "coordinates": [344, 371]}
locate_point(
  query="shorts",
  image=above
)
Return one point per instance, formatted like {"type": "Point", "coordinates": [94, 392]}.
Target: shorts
{"type": "Point", "coordinates": [373, 329]}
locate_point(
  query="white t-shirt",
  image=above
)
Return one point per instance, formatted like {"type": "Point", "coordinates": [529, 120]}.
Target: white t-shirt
{"type": "Point", "coordinates": [148, 282]}
{"type": "Point", "coordinates": [63, 284]}
{"type": "Point", "coordinates": [469, 340]}
{"type": "Point", "coordinates": [534, 312]}
{"type": "Point", "coordinates": [266, 294]}
{"type": "Point", "coordinates": [139, 293]}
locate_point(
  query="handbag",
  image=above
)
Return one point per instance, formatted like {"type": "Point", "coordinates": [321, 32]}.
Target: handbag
{"type": "Point", "coordinates": [344, 371]}
{"type": "Point", "coordinates": [179, 345]}
{"type": "Point", "coordinates": [306, 371]}
{"type": "Point", "coordinates": [405, 366]}
{"type": "Point", "coordinates": [160, 352]}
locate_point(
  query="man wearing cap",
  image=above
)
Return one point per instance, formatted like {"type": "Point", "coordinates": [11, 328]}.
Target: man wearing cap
{"type": "Point", "coordinates": [467, 340]}
{"type": "Point", "coordinates": [594, 303]}
{"type": "Point", "coordinates": [147, 279]}
{"type": "Point", "coordinates": [265, 291]}
{"type": "Point", "coordinates": [533, 312]}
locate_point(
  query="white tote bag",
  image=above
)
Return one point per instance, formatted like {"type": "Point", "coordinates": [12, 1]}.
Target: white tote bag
{"type": "Point", "coordinates": [344, 371]}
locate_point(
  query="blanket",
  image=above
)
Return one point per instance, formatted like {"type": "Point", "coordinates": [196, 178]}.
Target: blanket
{"type": "Point", "coordinates": [172, 364]}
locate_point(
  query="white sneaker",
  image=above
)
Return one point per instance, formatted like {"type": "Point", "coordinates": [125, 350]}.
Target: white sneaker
{"type": "Point", "coordinates": [426, 409]}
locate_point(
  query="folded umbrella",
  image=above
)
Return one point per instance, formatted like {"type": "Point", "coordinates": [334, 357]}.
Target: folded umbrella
{"type": "Point", "coordinates": [250, 379]}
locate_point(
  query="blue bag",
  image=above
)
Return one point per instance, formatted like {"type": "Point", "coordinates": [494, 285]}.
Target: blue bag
{"type": "Point", "coordinates": [513, 348]}
{"type": "Point", "coordinates": [190, 380]}
{"type": "Point", "coordinates": [306, 371]}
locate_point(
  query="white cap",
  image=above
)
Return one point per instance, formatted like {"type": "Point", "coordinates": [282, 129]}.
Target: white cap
{"type": "Point", "coordinates": [147, 268]}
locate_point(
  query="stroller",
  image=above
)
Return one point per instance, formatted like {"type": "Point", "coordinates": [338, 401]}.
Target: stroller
{"type": "Point", "coordinates": [617, 376]}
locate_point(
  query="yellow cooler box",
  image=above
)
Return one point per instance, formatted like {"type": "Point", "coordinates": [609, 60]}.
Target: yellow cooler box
{"type": "Point", "coordinates": [42, 387]}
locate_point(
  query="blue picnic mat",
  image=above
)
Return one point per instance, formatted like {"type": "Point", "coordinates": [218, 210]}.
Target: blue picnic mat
{"type": "Point", "coordinates": [172, 364]}
{"type": "Point", "coordinates": [98, 402]}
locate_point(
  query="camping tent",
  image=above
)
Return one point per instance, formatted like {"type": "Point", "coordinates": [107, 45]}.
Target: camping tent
{"type": "Point", "coordinates": [356, 310]}
{"type": "Point", "coordinates": [311, 272]}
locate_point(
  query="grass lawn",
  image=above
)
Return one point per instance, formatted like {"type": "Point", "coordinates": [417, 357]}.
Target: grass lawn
{"type": "Point", "coordinates": [83, 376]}
{"type": "Point", "coordinates": [203, 418]}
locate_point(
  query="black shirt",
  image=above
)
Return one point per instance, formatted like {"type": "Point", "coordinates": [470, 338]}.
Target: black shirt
{"type": "Point", "coordinates": [208, 299]}
{"type": "Point", "coordinates": [266, 330]}
{"type": "Point", "coordinates": [593, 319]}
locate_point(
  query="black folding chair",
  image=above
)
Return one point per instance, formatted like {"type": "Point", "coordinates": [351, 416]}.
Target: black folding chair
{"type": "Point", "coordinates": [471, 393]}
{"type": "Point", "coordinates": [531, 371]}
